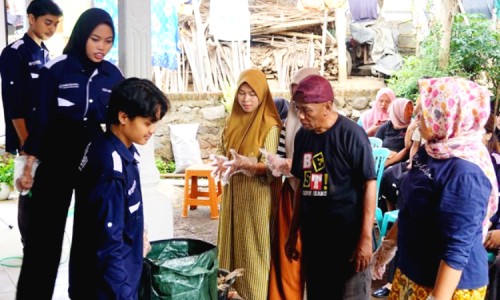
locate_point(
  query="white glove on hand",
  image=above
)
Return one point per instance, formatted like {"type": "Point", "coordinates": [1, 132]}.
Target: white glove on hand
{"type": "Point", "coordinates": [146, 248]}
{"type": "Point", "coordinates": [239, 164]}
{"type": "Point", "coordinates": [384, 254]}
{"type": "Point", "coordinates": [278, 165]}
{"type": "Point", "coordinates": [217, 162]}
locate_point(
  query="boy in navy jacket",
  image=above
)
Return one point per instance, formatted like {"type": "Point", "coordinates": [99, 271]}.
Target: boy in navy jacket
{"type": "Point", "coordinates": [20, 64]}
{"type": "Point", "coordinates": [107, 248]}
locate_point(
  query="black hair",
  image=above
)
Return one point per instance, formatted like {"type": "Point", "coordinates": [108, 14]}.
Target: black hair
{"type": "Point", "coordinates": [282, 105]}
{"type": "Point", "coordinates": [137, 98]}
{"type": "Point", "coordinates": [86, 23]}
{"type": "Point", "coordinates": [39, 8]}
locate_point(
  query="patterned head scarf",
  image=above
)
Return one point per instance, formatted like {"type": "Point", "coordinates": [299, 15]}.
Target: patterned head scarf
{"type": "Point", "coordinates": [397, 113]}
{"type": "Point", "coordinates": [246, 132]}
{"type": "Point", "coordinates": [292, 120]}
{"type": "Point", "coordinates": [375, 114]}
{"type": "Point", "coordinates": [456, 110]}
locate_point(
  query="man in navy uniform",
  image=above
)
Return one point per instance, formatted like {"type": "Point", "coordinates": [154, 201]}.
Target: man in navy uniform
{"type": "Point", "coordinates": [20, 63]}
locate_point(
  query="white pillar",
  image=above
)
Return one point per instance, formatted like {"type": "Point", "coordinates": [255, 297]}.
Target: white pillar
{"type": "Point", "coordinates": [134, 29]}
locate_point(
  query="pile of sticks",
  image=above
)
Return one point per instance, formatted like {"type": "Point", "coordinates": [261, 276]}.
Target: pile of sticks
{"type": "Point", "coordinates": [283, 39]}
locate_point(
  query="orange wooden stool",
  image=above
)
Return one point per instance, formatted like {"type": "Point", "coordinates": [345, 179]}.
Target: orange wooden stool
{"type": "Point", "coordinates": [193, 196]}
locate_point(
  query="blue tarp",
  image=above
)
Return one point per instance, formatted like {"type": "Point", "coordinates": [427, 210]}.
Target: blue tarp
{"type": "Point", "coordinates": [484, 7]}
{"type": "Point", "coordinates": [164, 34]}
{"type": "Point", "coordinates": [111, 6]}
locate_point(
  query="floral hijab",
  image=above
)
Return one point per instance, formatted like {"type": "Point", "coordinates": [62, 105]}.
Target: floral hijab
{"type": "Point", "coordinates": [456, 110]}
{"type": "Point", "coordinates": [246, 132]}
{"type": "Point", "coordinates": [375, 114]}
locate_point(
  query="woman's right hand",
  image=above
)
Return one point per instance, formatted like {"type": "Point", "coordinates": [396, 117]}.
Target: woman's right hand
{"type": "Point", "coordinates": [492, 241]}
{"type": "Point", "coordinates": [372, 130]}
{"type": "Point", "coordinates": [384, 254]}
{"type": "Point", "coordinates": [217, 162]}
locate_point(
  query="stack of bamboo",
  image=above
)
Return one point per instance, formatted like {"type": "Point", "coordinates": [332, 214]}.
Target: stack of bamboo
{"type": "Point", "coordinates": [283, 39]}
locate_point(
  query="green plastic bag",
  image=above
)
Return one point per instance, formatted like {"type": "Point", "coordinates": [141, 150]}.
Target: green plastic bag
{"type": "Point", "coordinates": [180, 269]}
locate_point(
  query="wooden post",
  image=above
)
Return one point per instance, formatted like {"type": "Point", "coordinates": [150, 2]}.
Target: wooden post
{"type": "Point", "coordinates": [340, 31]}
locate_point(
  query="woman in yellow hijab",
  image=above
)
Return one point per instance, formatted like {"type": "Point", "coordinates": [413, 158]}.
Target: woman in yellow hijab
{"type": "Point", "coordinates": [249, 196]}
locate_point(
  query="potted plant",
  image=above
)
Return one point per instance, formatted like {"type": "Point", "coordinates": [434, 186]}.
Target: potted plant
{"type": "Point", "coordinates": [6, 176]}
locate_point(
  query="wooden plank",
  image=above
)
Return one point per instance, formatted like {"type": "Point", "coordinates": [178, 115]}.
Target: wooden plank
{"type": "Point", "coordinates": [171, 175]}
{"type": "Point", "coordinates": [331, 39]}
{"type": "Point", "coordinates": [292, 25]}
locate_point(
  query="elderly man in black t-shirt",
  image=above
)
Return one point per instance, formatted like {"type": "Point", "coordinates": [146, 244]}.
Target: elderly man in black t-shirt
{"type": "Point", "coordinates": [335, 204]}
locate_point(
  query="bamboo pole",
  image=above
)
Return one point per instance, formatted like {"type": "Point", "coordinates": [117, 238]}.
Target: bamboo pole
{"type": "Point", "coordinates": [323, 42]}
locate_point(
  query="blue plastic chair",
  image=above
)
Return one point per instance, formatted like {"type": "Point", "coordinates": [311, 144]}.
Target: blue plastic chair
{"type": "Point", "coordinates": [379, 156]}
{"type": "Point", "coordinates": [375, 142]}
{"type": "Point", "coordinates": [389, 217]}
{"type": "Point", "coordinates": [491, 257]}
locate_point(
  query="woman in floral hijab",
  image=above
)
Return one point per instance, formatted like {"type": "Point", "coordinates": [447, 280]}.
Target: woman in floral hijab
{"type": "Point", "coordinates": [447, 197]}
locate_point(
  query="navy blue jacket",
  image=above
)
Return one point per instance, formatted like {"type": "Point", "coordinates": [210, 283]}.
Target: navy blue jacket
{"type": "Point", "coordinates": [106, 252]}
{"type": "Point", "coordinates": [442, 207]}
{"type": "Point", "coordinates": [20, 65]}
{"type": "Point", "coordinates": [70, 108]}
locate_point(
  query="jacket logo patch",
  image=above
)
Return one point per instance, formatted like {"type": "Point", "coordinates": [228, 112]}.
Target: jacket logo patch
{"type": "Point", "coordinates": [64, 103]}
{"type": "Point", "coordinates": [65, 86]}
{"type": "Point", "coordinates": [132, 189]}
{"type": "Point", "coordinates": [35, 63]}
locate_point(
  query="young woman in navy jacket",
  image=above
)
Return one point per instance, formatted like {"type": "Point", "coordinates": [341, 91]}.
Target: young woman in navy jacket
{"type": "Point", "coordinates": [70, 111]}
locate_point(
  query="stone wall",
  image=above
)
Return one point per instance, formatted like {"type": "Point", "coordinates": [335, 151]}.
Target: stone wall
{"type": "Point", "coordinates": [207, 110]}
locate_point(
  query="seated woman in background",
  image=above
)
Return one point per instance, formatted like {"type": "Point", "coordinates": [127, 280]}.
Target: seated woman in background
{"type": "Point", "coordinates": [392, 133]}
{"type": "Point", "coordinates": [373, 118]}
{"type": "Point", "coordinates": [396, 137]}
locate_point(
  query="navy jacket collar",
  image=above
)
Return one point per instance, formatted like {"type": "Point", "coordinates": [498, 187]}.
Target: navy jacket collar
{"type": "Point", "coordinates": [127, 154]}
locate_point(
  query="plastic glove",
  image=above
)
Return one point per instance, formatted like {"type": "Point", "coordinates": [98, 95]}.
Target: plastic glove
{"type": "Point", "coordinates": [239, 164]}
{"type": "Point", "coordinates": [146, 244]}
{"type": "Point", "coordinates": [277, 164]}
{"type": "Point", "coordinates": [384, 254]}
{"type": "Point", "coordinates": [217, 162]}
{"type": "Point", "coordinates": [24, 173]}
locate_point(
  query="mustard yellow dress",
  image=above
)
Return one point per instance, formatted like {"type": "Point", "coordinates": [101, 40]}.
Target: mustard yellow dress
{"type": "Point", "coordinates": [246, 217]}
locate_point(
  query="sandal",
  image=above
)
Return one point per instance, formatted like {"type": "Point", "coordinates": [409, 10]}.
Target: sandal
{"type": "Point", "coordinates": [381, 292]}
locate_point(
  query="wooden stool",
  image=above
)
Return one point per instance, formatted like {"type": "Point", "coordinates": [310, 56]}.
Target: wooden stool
{"type": "Point", "coordinates": [193, 196]}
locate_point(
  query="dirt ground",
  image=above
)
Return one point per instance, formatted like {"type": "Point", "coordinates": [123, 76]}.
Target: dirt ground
{"type": "Point", "coordinates": [198, 224]}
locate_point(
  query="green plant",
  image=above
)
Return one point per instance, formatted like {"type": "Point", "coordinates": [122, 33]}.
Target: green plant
{"type": "Point", "coordinates": [474, 52]}
{"type": "Point", "coordinates": [165, 167]}
{"type": "Point", "coordinates": [7, 170]}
